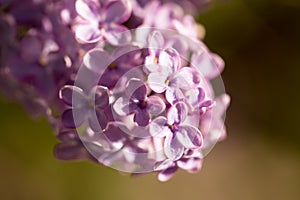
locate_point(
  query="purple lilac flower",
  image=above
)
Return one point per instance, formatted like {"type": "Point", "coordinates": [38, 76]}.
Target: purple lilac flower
{"type": "Point", "coordinates": [212, 122]}
{"type": "Point", "coordinates": [158, 46]}
{"type": "Point", "coordinates": [190, 162]}
{"type": "Point", "coordinates": [167, 77]}
{"type": "Point", "coordinates": [42, 67]}
{"type": "Point", "coordinates": [84, 107]}
{"type": "Point", "coordinates": [136, 102]}
{"type": "Point", "coordinates": [102, 20]}
{"type": "Point", "coordinates": [208, 64]}
{"type": "Point", "coordinates": [178, 135]}
{"type": "Point", "coordinates": [111, 67]}
{"type": "Point", "coordinates": [112, 107]}
{"type": "Point", "coordinates": [198, 101]}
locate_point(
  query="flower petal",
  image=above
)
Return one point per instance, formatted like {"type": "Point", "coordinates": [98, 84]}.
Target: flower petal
{"type": "Point", "coordinates": [190, 137]}
{"type": "Point", "coordinates": [123, 106]}
{"type": "Point", "coordinates": [158, 127]}
{"type": "Point", "coordinates": [86, 10]}
{"type": "Point", "coordinates": [118, 11]}
{"type": "Point", "coordinates": [157, 82]}
{"type": "Point", "coordinates": [156, 40]}
{"type": "Point", "coordinates": [97, 60]}
{"type": "Point", "coordinates": [87, 33]}
{"type": "Point", "coordinates": [136, 89]}
{"type": "Point", "coordinates": [174, 94]}
{"type": "Point", "coordinates": [192, 165]}
{"type": "Point", "coordinates": [167, 174]}
{"type": "Point", "coordinates": [70, 151]}
{"type": "Point", "coordinates": [194, 97]}
{"type": "Point", "coordinates": [72, 118]}
{"type": "Point", "coordinates": [155, 105]}
{"type": "Point", "coordinates": [117, 35]}
{"type": "Point", "coordinates": [177, 113]}
{"type": "Point", "coordinates": [186, 78]}
{"type": "Point", "coordinates": [170, 60]}
{"type": "Point", "coordinates": [142, 117]}
{"type": "Point", "coordinates": [173, 147]}
{"type": "Point", "coordinates": [72, 96]}
{"type": "Point", "coordinates": [209, 65]}
{"type": "Point", "coordinates": [116, 133]}
{"type": "Point", "coordinates": [99, 95]}
{"type": "Point", "coordinates": [162, 165]}
{"type": "Point", "coordinates": [97, 121]}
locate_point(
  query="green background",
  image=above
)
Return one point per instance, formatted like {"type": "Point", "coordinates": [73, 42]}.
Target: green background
{"type": "Point", "coordinates": [260, 159]}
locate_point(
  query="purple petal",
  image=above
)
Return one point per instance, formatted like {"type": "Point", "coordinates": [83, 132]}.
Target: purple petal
{"type": "Point", "coordinates": [156, 40]}
{"type": "Point", "coordinates": [177, 113]}
{"type": "Point", "coordinates": [173, 147]}
{"type": "Point", "coordinates": [72, 118]}
{"type": "Point", "coordinates": [190, 137]}
{"type": "Point", "coordinates": [194, 97]}
{"type": "Point", "coordinates": [123, 106]}
{"type": "Point", "coordinates": [87, 10]}
{"type": "Point", "coordinates": [186, 78]}
{"type": "Point", "coordinates": [151, 65]}
{"type": "Point", "coordinates": [117, 35]}
{"type": "Point", "coordinates": [155, 105]}
{"type": "Point", "coordinates": [162, 165]}
{"type": "Point", "coordinates": [97, 121]}
{"type": "Point", "coordinates": [97, 60]}
{"type": "Point", "coordinates": [159, 128]}
{"type": "Point", "coordinates": [157, 82]}
{"type": "Point", "coordinates": [174, 94]}
{"type": "Point", "coordinates": [192, 165]}
{"type": "Point", "coordinates": [72, 96]}
{"type": "Point", "coordinates": [70, 151]}
{"type": "Point", "coordinates": [118, 11]}
{"type": "Point", "coordinates": [167, 174]}
{"type": "Point", "coordinates": [116, 133]}
{"type": "Point", "coordinates": [136, 89]}
{"type": "Point", "coordinates": [87, 33]}
{"type": "Point", "coordinates": [99, 95]}
{"type": "Point", "coordinates": [170, 60]}
{"type": "Point", "coordinates": [209, 65]}
{"type": "Point", "coordinates": [142, 117]}
{"type": "Point", "coordinates": [67, 135]}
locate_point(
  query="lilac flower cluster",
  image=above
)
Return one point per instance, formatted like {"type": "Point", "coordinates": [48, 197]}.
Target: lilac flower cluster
{"type": "Point", "coordinates": [122, 87]}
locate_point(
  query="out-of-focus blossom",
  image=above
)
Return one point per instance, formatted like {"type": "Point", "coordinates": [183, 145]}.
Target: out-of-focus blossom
{"type": "Point", "coordinates": [111, 67]}
{"type": "Point", "coordinates": [85, 107]}
{"type": "Point", "coordinates": [102, 20]}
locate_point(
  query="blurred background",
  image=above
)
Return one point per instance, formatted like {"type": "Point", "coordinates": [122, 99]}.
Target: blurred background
{"type": "Point", "coordinates": [260, 159]}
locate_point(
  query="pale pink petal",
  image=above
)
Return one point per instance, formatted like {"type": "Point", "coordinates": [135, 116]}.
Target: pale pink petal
{"type": "Point", "coordinates": [118, 11]}
{"type": "Point", "coordinates": [157, 82]}
{"type": "Point", "coordinates": [87, 33]}
{"type": "Point", "coordinates": [97, 60]}
{"type": "Point", "coordinates": [117, 35]}
{"type": "Point", "coordinates": [87, 11]}
{"type": "Point", "coordinates": [155, 105]}
{"type": "Point", "coordinates": [173, 147]}
{"type": "Point", "coordinates": [177, 113]}
{"type": "Point", "coordinates": [190, 137]}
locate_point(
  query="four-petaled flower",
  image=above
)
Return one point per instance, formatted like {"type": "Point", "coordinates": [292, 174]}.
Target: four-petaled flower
{"type": "Point", "coordinates": [102, 20]}
{"type": "Point", "coordinates": [179, 136]}
{"type": "Point", "coordinates": [136, 102]}
{"type": "Point", "coordinates": [84, 107]}
{"type": "Point", "coordinates": [170, 79]}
